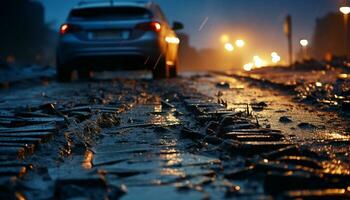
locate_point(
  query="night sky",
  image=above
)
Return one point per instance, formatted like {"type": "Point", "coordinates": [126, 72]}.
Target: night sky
{"type": "Point", "coordinates": [259, 22]}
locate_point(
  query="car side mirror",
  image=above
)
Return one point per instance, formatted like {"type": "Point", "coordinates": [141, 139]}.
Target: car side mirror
{"type": "Point", "coordinates": [177, 26]}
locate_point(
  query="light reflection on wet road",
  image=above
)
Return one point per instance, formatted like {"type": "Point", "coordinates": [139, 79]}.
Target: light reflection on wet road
{"type": "Point", "coordinates": [327, 125]}
{"type": "Point", "coordinates": [136, 145]}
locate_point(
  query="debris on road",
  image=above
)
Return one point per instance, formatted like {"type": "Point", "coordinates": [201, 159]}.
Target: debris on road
{"type": "Point", "coordinates": [285, 119]}
{"type": "Point", "coordinates": [114, 138]}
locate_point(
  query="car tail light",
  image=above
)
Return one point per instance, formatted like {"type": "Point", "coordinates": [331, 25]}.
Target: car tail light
{"type": "Point", "coordinates": [150, 26]}
{"type": "Point", "coordinates": [68, 28]}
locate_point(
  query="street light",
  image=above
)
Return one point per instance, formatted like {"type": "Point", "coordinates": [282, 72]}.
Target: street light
{"type": "Point", "coordinates": [346, 10]}
{"type": "Point", "coordinates": [304, 44]}
{"type": "Point", "coordinates": [275, 58]}
{"type": "Point", "coordinates": [229, 47]}
{"type": "Point", "coordinates": [224, 38]}
{"type": "Point", "coordinates": [258, 62]}
{"type": "Point", "coordinates": [240, 43]}
{"type": "Point", "coordinates": [248, 67]}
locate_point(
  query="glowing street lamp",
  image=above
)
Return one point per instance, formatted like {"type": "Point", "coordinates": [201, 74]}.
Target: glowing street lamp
{"type": "Point", "coordinates": [240, 43]}
{"type": "Point", "coordinates": [229, 47]}
{"type": "Point", "coordinates": [304, 44]}
{"type": "Point", "coordinates": [224, 38]}
{"type": "Point", "coordinates": [275, 58]}
{"type": "Point", "coordinates": [258, 62]}
{"type": "Point", "coordinates": [248, 67]}
{"type": "Point", "coordinates": [346, 10]}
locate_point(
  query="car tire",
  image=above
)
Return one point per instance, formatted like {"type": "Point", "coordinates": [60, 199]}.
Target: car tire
{"type": "Point", "coordinates": [160, 71]}
{"type": "Point", "coordinates": [173, 70]}
{"type": "Point", "coordinates": [64, 74]}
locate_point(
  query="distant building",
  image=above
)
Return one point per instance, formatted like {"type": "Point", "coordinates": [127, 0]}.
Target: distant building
{"type": "Point", "coordinates": [24, 36]}
{"type": "Point", "coordinates": [329, 36]}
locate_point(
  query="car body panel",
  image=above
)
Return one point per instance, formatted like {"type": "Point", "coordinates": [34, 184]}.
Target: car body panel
{"type": "Point", "coordinates": [146, 47]}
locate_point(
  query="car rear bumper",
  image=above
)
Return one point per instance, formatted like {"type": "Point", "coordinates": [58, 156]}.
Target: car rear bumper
{"type": "Point", "coordinates": [111, 56]}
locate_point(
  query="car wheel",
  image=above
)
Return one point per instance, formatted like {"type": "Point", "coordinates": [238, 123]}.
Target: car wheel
{"type": "Point", "coordinates": [64, 74]}
{"type": "Point", "coordinates": [160, 71]}
{"type": "Point", "coordinates": [173, 70]}
{"type": "Point", "coordinates": [85, 75]}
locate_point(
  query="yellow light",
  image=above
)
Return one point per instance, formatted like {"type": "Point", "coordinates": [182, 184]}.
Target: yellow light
{"type": "Point", "coordinates": [345, 10]}
{"type": "Point", "coordinates": [224, 38]}
{"type": "Point", "coordinates": [304, 42]}
{"type": "Point", "coordinates": [229, 47]}
{"type": "Point", "coordinates": [172, 40]}
{"type": "Point", "coordinates": [319, 84]}
{"type": "Point", "coordinates": [240, 43]}
{"type": "Point", "coordinates": [275, 58]}
{"type": "Point", "coordinates": [258, 62]}
{"type": "Point", "coordinates": [248, 67]}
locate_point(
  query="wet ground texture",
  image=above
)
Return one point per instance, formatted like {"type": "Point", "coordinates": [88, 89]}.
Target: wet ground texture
{"type": "Point", "coordinates": [323, 85]}
{"type": "Point", "coordinates": [200, 136]}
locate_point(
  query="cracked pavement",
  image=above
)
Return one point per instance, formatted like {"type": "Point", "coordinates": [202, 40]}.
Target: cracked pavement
{"type": "Point", "coordinates": [199, 136]}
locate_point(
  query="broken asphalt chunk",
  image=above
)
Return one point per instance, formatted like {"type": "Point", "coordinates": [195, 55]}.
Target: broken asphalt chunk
{"type": "Point", "coordinates": [35, 128]}
{"type": "Point", "coordinates": [253, 148]}
{"type": "Point", "coordinates": [285, 120]}
{"type": "Point", "coordinates": [122, 173]}
{"type": "Point", "coordinates": [241, 174]}
{"type": "Point", "coordinates": [259, 106]}
{"type": "Point", "coordinates": [286, 151]}
{"type": "Point", "coordinates": [28, 134]}
{"type": "Point", "coordinates": [305, 125]}
{"type": "Point", "coordinates": [13, 171]}
{"type": "Point", "coordinates": [91, 187]}
{"type": "Point", "coordinates": [18, 151]}
{"type": "Point", "coordinates": [17, 122]}
{"type": "Point", "coordinates": [213, 140]}
{"type": "Point", "coordinates": [302, 161]}
{"type": "Point", "coordinates": [277, 182]}
{"type": "Point", "coordinates": [15, 140]}
{"type": "Point", "coordinates": [191, 134]}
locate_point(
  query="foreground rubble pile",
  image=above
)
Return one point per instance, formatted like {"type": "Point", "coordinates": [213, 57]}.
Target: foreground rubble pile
{"type": "Point", "coordinates": [323, 85]}
{"type": "Point", "coordinates": [143, 139]}
{"type": "Point", "coordinates": [286, 169]}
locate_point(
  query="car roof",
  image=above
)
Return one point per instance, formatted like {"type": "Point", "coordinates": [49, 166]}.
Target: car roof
{"type": "Point", "coordinates": [113, 3]}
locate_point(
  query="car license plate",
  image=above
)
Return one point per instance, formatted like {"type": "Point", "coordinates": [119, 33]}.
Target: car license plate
{"type": "Point", "coordinates": [111, 35]}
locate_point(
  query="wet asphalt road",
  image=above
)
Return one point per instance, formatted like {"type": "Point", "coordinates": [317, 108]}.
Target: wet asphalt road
{"type": "Point", "coordinates": [199, 136]}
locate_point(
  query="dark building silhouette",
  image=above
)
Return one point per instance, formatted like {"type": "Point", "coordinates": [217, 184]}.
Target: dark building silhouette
{"type": "Point", "coordinates": [329, 36]}
{"type": "Point", "coordinates": [24, 35]}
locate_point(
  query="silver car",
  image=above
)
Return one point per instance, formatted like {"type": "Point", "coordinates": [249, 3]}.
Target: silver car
{"type": "Point", "coordinates": [115, 35]}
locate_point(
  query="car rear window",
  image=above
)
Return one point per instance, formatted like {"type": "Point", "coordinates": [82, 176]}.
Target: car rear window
{"type": "Point", "coordinates": [110, 13]}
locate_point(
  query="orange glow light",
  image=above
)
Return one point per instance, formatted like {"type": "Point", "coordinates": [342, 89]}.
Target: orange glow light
{"type": "Point", "coordinates": [64, 29]}
{"type": "Point", "coordinates": [224, 38]}
{"type": "Point", "coordinates": [157, 26]}
{"type": "Point", "coordinates": [229, 47]}
{"type": "Point", "coordinates": [240, 43]}
{"type": "Point", "coordinates": [248, 67]}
